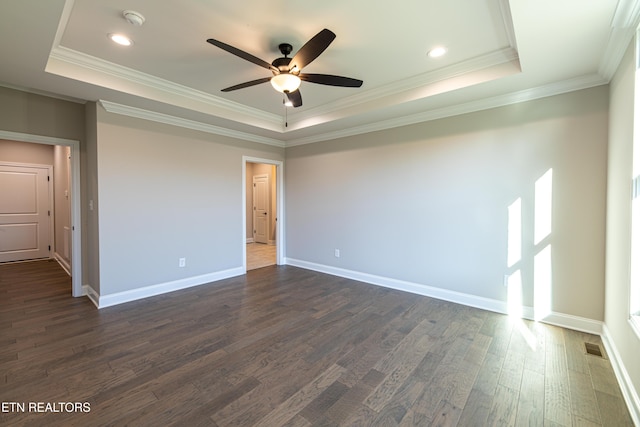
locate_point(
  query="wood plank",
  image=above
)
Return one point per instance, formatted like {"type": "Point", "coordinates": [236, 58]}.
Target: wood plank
{"type": "Point", "coordinates": [583, 397]}
{"type": "Point", "coordinates": [530, 411]}
{"type": "Point", "coordinates": [292, 347]}
{"type": "Point", "coordinates": [557, 405]}
{"type": "Point", "coordinates": [288, 409]}
{"type": "Point", "coordinates": [318, 406]}
{"type": "Point", "coordinates": [504, 407]}
{"type": "Point", "coordinates": [613, 409]}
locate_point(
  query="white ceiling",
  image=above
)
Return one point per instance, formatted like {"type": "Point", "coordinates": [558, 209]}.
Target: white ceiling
{"type": "Point", "coordinates": [499, 52]}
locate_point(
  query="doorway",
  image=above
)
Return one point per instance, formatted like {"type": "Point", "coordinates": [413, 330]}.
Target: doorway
{"type": "Point", "coordinates": [65, 242]}
{"type": "Point", "coordinates": [262, 209]}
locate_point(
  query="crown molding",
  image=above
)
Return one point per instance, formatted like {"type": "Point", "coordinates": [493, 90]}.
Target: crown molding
{"type": "Point", "coordinates": [139, 113]}
{"type": "Point", "coordinates": [418, 86]}
{"type": "Point", "coordinates": [407, 89]}
{"type": "Point", "coordinates": [73, 64]}
{"type": "Point", "coordinates": [626, 14]}
{"type": "Point", "coordinates": [40, 139]}
{"type": "Point", "coordinates": [507, 20]}
{"type": "Point", "coordinates": [78, 65]}
{"type": "Point", "coordinates": [61, 58]}
{"type": "Point", "coordinates": [623, 28]}
{"type": "Point", "coordinates": [558, 88]}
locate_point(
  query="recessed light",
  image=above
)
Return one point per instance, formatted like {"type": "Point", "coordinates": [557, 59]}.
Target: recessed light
{"type": "Point", "coordinates": [120, 39]}
{"type": "Point", "coordinates": [437, 52]}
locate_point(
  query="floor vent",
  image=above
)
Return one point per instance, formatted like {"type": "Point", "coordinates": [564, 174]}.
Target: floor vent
{"type": "Point", "coordinates": [593, 349]}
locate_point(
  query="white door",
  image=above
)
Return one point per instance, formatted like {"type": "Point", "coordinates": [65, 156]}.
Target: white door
{"type": "Point", "coordinates": [261, 208]}
{"type": "Point", "coordinates": [24, 213]}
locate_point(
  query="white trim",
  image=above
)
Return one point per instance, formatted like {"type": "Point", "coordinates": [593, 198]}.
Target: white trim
{"type": "Point", "coordinates": [627, 14]}
{"type": "Point", "coordinates": [41, 139]}
{"type": "Point", "coordinates": [161, 288]}
{"type": "Point", "coordinates": [557, 88]}
{"type": "Point", "coordinates": [73, 64]}
{"type": "Point", "coordinates": [634, 321]}
{"type": "Point", "coordinates": [623, 27]}
{"type": "Point", "coordinates": [579, 83]}
{"type": "Point", "coordinates": [576, 323]}
{"type": "Point", "coordinates": [93, 296]}
{"type": "Point", "coordinates": [421, 86]}
{"type": "Point", "coordinates": [629, 393]}
{"type": "Point", "coordinates": [249, 239]}
{"type": "Point", "coordinates": [280, 217]}
{"type": "Point", "coordinates": [76, 218]}
{"type": "Point", "coordinates": [125, 110]}
{"type": "Point", "coordinates": [63, 262]}
{"type": "Point", "coordinates": [558, 319]}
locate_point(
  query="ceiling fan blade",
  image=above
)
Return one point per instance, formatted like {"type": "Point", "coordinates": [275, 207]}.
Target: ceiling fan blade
{"type": "Point", "coordinates": [312, 49]}
{"type": "Point", "coordinates": [242, 54]}
{"type": "Point", "coordinates": [331, 80]}
{"type": "Point", "coordinates": [295, 98]}
{"type": "Point", "coordinates": [246, 84]}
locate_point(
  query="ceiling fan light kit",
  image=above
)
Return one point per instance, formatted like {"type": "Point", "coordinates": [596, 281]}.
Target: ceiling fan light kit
{"type": "Point", "coordinates": [286, 71]}
{"type": "Point", "coordinates": [285, 82]}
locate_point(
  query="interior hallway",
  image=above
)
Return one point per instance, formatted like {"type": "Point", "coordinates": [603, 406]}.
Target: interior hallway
{"type": "Point", "coordinates": [260, 255]}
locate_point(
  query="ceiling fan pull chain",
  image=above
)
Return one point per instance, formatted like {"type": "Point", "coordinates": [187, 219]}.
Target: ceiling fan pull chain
{"type": "Point", "coordinates": [284, 104]}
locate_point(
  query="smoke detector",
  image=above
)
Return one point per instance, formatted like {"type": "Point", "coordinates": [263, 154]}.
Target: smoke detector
{"type": "Point", "coordinates": [133, 17]}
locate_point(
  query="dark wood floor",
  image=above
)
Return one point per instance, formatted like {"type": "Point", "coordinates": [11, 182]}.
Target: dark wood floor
{"type": "Point", "coordinates": [284, 346]}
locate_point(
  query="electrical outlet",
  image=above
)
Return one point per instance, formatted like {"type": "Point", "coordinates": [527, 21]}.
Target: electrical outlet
{"type": "Point", "coordinates": [182, 262]}
{"type": "Point", "coordinates": [337, 253]}
{"type": "Point", "coordinates": [506, 280]}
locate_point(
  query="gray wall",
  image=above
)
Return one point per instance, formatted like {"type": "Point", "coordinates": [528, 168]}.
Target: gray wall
{"type": "Point", "coordinates": [618, 252]}
{"type": "Point", "coordinates": [91, 236]}
{"type": "Point", "coordinates": [32, 114]}
{"type": "Point", "coordinates": [166, 193]}
{"type": "Point", "coordinates": [428, 203]}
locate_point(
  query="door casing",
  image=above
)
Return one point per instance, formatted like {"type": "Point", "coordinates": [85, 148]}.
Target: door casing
{"type": "Point", "coordinates": [279, 213]}
{"type": "Point", "coordinates": [76, 216]}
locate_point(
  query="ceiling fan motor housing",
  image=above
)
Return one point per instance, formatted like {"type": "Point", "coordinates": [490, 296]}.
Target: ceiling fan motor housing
{"type": "Point", "coordinates": [281, 64]}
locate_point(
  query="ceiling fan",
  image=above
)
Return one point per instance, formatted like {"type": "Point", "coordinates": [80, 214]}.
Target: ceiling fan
{"type": "Point", "coordinates": [286, 71]}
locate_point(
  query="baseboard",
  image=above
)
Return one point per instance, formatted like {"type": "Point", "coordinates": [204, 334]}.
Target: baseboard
{"type": "Point", "coordinates": [93, 296]}
{"type": "Point", "coordinates": [628, 391]}
{"type": "Point", "coordinates": [558, 319]}
{"type": "Point", "coordinates": [249, 239]}
{"type": "Point", "coordinates": [271, 242]}
{"type": "Point", "coordinates": [163, 288]}
{"type": "Point", "coordinates": [63, 263]}
{"type": "Point", "coordinates": [576, 323]}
